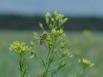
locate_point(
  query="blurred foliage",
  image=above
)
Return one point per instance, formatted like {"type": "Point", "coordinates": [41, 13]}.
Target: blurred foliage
{"type": "Point", "coordinates": [76, 40]}
{"type": "Point", "coordinates": [16, 22]}
{"type": "Point", "coordinates": [8, 62]}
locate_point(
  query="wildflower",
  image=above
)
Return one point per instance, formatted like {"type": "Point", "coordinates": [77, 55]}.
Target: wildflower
{"type": "Point", "coordinates": [86, 63]}
{"type": "Point", "coordinates": [47, 17]}
{"type": "Point", "coordinates": [56, 33]}
{"type": "Point", "coordinates": [20, 47]}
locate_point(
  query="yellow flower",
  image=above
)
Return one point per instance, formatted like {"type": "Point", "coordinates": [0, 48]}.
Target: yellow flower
{"type": "Point", "coordinates": [19, 47]}
{"type": "Point", "coordinates": [54, 32]}
{"type": "Point", "coordinates": [86, 63]}
{"type": "Point", "coordinates": [57, 32]}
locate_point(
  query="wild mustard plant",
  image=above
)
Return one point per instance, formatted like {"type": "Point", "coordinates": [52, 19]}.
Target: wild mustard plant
{"type": "Point", "coordinates": [54, 40]}
{"type": "Point", "coordinates": [21, 49]}
{"type": "Point", "coordinates": [86, 64]}
{"type": "Point", "coordinates": [87, 45]}
{"type": "Point", "coordinates": [83, 47]}
{"type": "Point", "coordinates": [50, 49]}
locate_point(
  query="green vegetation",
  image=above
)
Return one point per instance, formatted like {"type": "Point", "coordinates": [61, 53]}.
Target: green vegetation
{"type": "Point", "coordinates": [57, 54]}
{"type": "Point", "coordinates": [8, 61]}
{"type": "Point", "coordinates": [52, 53]}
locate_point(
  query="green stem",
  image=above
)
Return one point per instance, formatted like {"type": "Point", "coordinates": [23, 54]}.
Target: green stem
{"type": "Point", "coordinates": [81, 73]}
{"type": "Point", "coordinates": [22, 67]}
{"type": "Point", "coordinates": [48, 64]}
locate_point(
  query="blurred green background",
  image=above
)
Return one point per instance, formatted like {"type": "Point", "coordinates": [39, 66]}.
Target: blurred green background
{"type": "Point", "coordinates": [91, 48]}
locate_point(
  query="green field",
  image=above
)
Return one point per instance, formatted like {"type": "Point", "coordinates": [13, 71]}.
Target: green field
{"type": "Point", "coordinates": [8, 62]}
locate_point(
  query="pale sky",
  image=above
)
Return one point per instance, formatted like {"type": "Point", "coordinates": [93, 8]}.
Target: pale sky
{"type": "Point", "coordinates": [69, 7]}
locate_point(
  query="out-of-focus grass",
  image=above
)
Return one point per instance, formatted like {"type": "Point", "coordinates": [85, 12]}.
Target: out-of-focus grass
{"type": "Point", "coordinates": [8, 62]}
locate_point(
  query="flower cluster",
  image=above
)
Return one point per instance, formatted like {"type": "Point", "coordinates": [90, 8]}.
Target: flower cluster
{"type": "Point", "coordinates": [19, 47]}
{"type": "Point", "coordinates": [86, 63]}
{"type": "Point", "coordinates": [56, 32]}
{"type": "Point", "coordinates": [55, 20]}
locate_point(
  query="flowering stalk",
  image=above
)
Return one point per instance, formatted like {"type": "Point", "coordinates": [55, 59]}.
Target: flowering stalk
{"type": "Point", "coordinates": [54, 40]}
{"type": "Point", "coordinates": [21, 49]}
{"type": "Point", "coordinates": [85, 64]}
{"type": "Point", "coordinates": [54, 57]}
